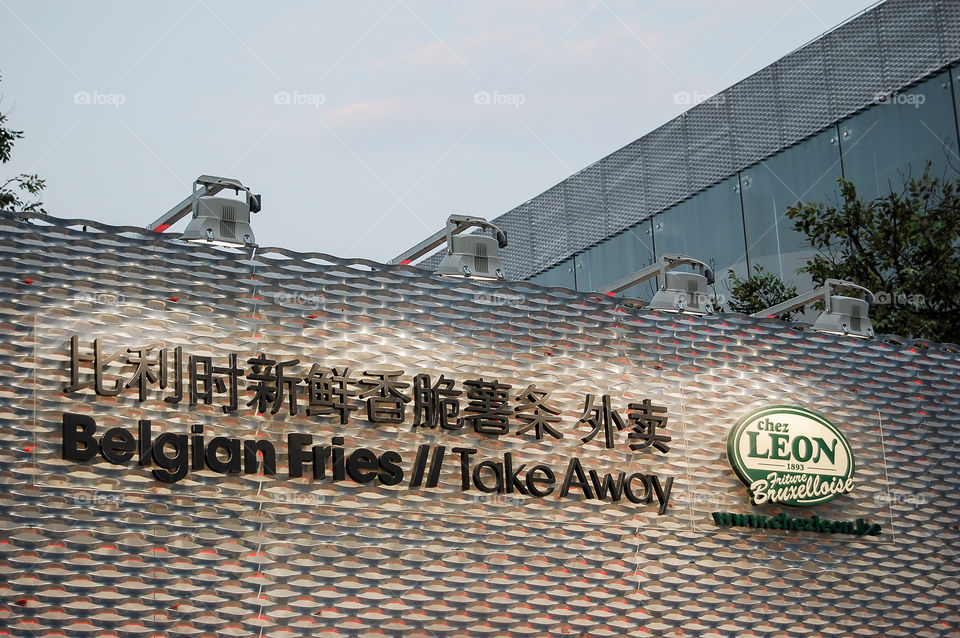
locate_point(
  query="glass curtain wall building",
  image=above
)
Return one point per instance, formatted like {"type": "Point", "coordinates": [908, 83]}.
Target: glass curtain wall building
{"type": "Point", "coordinates": [872, 101]}
{"type": "Point", "coordinates": [740, 221]}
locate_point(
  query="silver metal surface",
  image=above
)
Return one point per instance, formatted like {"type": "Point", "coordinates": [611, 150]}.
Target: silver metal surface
{"type": "Point", "coordinates": [98, 549]}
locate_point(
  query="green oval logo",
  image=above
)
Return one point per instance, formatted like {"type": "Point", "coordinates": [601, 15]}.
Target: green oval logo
{"type": "Point", "coordinates": [790, 456]}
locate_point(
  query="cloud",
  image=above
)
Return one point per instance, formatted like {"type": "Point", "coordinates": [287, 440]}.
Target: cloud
{"type": "Point", "coordinates": [433, 55]}
{"type": "Point", "coordinates": [363, 113]}
{"type": "Point", "coordinates": [509, 38]}
{"type": "Point", "coordinates": [375, 113]}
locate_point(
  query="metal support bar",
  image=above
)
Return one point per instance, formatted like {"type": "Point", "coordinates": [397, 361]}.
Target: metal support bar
{"type": "Point", "coordinates": [658, 268]}
{"type": "Point", "coordinates": [456, 224]}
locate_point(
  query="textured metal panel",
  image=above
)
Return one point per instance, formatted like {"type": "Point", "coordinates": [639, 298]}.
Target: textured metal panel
{"type": "Point", "coordinates": [98, 549]}
{"type": "Point", "coordinates": [549, 218]}
{"type": "Point", "coordinates": [710, 143]}
{"type": "Point", "coordinates": [518, 254]}
{"type": "Point", "coordinates": [430, 263]}
{"type": "Point", "coordinates": [948, 19]}
{"type": "Point", "coordinates": [623, 189]}
{"type": "Point", "coordinates": [756, 116]}
{"type": "Point", "coordinates": [666, 174]}
{"type": "Point", "coordinates": [584, 206]}
{"type": "Point", "coordinates": [912, 45]}
{"type": "Point", "coordinates": [804, 92]}
{"type": "Point", "coordinates": [855, 63]}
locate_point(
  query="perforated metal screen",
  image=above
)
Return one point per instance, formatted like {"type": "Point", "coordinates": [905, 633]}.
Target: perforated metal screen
{"type": "Point", "coordinates": [103, 549]}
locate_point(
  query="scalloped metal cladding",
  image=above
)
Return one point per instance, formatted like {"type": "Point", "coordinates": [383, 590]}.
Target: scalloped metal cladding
{"type": "Point", "coordinates": [104, 548]}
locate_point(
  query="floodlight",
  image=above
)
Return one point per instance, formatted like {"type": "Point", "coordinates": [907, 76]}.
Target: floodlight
{"type": "Point", "coordinates": [467, 256]}
{"type": "Point", "coordinates": [848, 316]}
{"type": "Point", "coordinates": [218, 221]}
{"type": "Point", "coordinates": [681, 291]}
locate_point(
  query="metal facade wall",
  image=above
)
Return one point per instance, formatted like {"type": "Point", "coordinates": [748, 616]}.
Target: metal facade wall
{"type": "Point", "coordinates": [107, 550]}
{"type": "Point", "coordinates": [887, 48]}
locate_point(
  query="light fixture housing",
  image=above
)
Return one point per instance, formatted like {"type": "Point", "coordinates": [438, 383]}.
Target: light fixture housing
{"type": "Point", "coordinates": [472, 256]}
{"type": "Point", "coordinates": [220, 221]}
{"type": "Point", "coordinates": [467, 256]}
{"type": "Point", "coordinates": [217, 221]}
{"type": "Point", "coordinates": [847, 316]}
{"type": "Point", "coordinates": [683, 292]}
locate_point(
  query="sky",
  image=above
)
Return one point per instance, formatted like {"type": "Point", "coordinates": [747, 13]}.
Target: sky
{"type": "Point", "coordinates": [363, 124]}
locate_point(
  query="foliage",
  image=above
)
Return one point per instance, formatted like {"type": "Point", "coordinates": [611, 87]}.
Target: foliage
{"type": "Point", "coordinates": [758, 291]}
{"type": "Point", "coordinates": [903, 246]}
{"type": "Point", "coordinates": [17, 190]}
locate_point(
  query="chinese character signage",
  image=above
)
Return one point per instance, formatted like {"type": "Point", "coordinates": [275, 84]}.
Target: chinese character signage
{"type": "Point", "coordinates": [262, 384]}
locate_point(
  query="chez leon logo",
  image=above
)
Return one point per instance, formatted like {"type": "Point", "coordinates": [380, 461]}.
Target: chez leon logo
{"type": "Point", "coordinates": [791, 456]}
